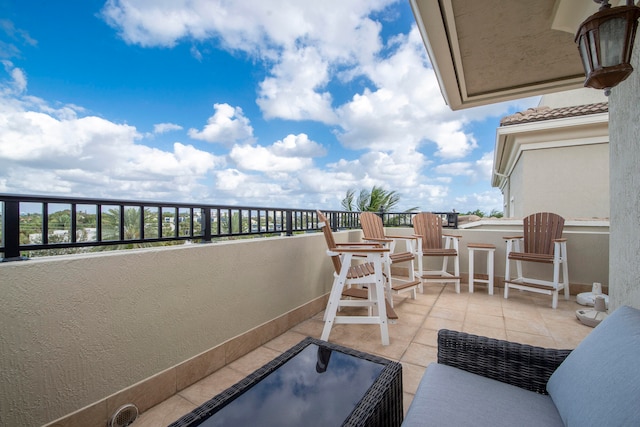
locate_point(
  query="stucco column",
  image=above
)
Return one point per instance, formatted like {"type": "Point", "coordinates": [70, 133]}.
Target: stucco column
{"type": "Point", "coordinates": [624, 149]}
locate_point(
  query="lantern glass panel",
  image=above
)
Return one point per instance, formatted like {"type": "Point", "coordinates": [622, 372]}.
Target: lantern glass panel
{"type": "Point", "coordinates": [595, 61]}
{"type": "Point", "coordinates": [612, 36]}
{"type": "Point", "coordinates": [584, 54]}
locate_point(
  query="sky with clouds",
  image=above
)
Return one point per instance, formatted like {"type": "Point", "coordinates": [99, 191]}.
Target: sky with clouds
{"type": "Point", "coordinates": [271, 103]}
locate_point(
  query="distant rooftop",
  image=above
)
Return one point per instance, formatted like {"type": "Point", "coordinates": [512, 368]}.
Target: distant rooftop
{"type": "Point", "coordinates": [547, 113]}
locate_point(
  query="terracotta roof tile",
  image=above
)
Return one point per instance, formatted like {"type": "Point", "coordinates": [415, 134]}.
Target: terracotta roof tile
{"type": "Point", "coordinates": [545, 113]}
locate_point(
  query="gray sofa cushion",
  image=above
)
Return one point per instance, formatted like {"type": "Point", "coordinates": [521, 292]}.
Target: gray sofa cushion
{"type": "Point", "coordinates": [449, 396]}
{"type": "Point", "coordinates": [598, 384]}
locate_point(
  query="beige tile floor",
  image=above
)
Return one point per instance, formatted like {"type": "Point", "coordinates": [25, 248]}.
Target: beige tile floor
{"type": "Point", "coordinates": [525, 317]}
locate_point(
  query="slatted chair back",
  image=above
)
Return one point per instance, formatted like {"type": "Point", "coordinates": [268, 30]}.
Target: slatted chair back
{"type": "Point", "coordinates": [429, 226]}
{"type": "Point", "coordinates": [540, 229]}
{"type": "Point", "coordinates": [331, 243]}
{"type": "Point", "coordinates": [372, 226]}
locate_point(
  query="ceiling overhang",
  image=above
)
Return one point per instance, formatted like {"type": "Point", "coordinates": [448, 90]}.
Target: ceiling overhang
{"type": "Point", "coordinates": [488, 51]}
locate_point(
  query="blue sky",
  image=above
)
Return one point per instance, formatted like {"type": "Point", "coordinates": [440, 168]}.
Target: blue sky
{"type": "Point", "coordinates": [262, 103]}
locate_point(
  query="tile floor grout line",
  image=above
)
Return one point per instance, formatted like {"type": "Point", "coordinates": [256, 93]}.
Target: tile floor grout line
{"type": "Point", "coordinates": [423, 321]}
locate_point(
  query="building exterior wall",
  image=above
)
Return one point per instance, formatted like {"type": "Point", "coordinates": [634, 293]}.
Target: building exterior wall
{"type": "Point", "coordinates": [572, 97]}
{"type": "Point", "coordinates": [555, 181]}
{"type": "Point", "coordinates": [624, 126]}
{"type": "Point", "coordinates": [559, 165]}
{"type": "Point", "coordinates": [517, 192]}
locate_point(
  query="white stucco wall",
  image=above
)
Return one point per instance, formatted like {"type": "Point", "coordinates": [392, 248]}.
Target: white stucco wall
{"type": "Point", "coordinates": [624, 127]}
{"type": "Point", "coordinates": [517, 192]}
{"type": "Point", "coordinates": [559, 165]}
{"type": "Point", "coordinates": [76, 329]}
{"type": "Point", "coordinates": [567, 98]}
{"type": "Point", "coordinates": [555, 181]}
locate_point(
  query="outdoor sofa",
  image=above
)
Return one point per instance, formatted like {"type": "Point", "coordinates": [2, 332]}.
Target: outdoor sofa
{"type": "Point", "coordinates": [480, 381]}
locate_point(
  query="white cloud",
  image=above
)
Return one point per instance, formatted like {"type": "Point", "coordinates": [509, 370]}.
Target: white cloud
{"type": "Point", "coordinates": [237, 187]}
{"type": "Point", "coordinates": [16, 34]}
{"type": "Point", "coordinates": [455, 169]}
{"type": "Point", "coordinates": [294, 153]}
{"type": "Point", "coordinates": [406, 109]}
{"type": "Point", "coordinates": [53, 150]}
{"type": "Point", "coordinates": [294, 92]}
{"type": "Point", "coordinates": [298, 145]}
{"type": "Point", "coordinates": [18, 82]}
{"type": "Point", "coordinates": [261, 159]}
{"type": "Point", "coordinates": [391, 118]}
{"type": "Point", "coordinates": [485, 201]}
{"type": "Point", "coordinates": [485, 166]}
{"type": "Point", "coordinates": [165, 127]}
{"type": "Point", "coordinates": [339, 27]}
{"type": "Point", "coordinates": [227, 126]}
{"type": "Point", "coordinates": [195, 52]}
{"type": "Point", "coordinates": [302, 41]}
{"type": "Point", "coordinates": [452, 142]}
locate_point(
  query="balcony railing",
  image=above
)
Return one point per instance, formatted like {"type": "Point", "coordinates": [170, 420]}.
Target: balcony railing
{"type": "Point", "coordinates": [41, 223]}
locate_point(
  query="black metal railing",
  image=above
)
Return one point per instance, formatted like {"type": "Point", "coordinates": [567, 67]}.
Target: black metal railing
{"type": "Point", "coordinates": [42, 223]}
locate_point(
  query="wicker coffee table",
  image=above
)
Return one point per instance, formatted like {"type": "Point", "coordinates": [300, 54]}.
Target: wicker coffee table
{"type": "Point", "coordinates": [315, 383]}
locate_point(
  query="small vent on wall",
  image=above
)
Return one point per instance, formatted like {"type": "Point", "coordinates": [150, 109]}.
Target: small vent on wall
{"type": "Point", "coordinates": [124, 416]}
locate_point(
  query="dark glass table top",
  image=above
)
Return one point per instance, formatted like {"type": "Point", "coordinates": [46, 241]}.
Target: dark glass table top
{"type": "Point", "coordinates": [317, 386]}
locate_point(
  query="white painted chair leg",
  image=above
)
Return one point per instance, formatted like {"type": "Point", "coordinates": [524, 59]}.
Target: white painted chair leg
{"type": "Point", "coordinates": [377, 294]}
{"type": "Point", "coordinates": [471, 273]}
{"type": "Point", "coordinates": [490, 270]}
{"type": "Point", "coordinates": [456, 272]}
{"type": "Point", "coordinates": [565, 271]}
{"type": "Point", "coordinates": [507, 270]}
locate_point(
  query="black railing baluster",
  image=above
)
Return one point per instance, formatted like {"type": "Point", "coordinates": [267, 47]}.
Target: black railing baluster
{"type": "Point", "coordinates": [160, 222]}
{"type": "Point", "coordinates": [206, 225]}
{"type": "Point", "coordinates": [289, 222]}
{"type": "Point", "coordinates": [45, 223]}
{"type": "Point", "coordinates": [121, 223]}
{"type": "Point", "coordinates": [141, 231]}
{"type": "Point", "coordinates": [191, 229]}
{"type": "Point", "coordinates": [74, 221]}
{"type": "Point", "coordinates": [229, 221]}
{"type": "Point", "coordinates": [99, 222]}
{"type": "Point", "coordinates": [11, 230]}
{"type": "Point", "coordinates": [176, 222]}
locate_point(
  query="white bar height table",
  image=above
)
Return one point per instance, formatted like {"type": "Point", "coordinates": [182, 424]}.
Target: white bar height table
{"type": "Point", "coordinates": [490, 250]}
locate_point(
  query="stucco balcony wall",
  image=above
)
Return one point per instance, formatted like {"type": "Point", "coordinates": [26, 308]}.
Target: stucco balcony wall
{"type": "Point", "coordinates": [82, 335]}
{"type": "Point", "coordinates": [587, 250]}
{"type": "Point", "coordinates": [77, 329]}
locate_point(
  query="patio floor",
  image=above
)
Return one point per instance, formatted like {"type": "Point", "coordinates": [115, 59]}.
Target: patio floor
{"type": "Point", "coordinates": [525, 317]}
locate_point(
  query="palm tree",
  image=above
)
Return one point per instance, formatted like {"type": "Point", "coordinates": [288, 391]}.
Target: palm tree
{"type": "Point", "coordinates": [376, 200]}
{"type": "Point", "coordinates": [131, 228]}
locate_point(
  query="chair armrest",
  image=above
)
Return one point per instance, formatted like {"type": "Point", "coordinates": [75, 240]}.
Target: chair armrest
{"type": "Point", "coordinates": [374, 239]}
{"type": "Point", "coordinates": [356, 244]}
{"type": "Point", "coordinates": [359, 250]}
{"type": "Point", "coordinates": [402, 237]}
{"type": "Point", "coordinates": [522, 365]}
{"type": "Point", "coordinates": [564, 239]}
{"type": "Point", "coordinates": [513, 237]}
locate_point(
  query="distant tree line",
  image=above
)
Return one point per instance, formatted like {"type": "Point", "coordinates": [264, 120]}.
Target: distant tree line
{"type": "Point", "coordinates": [381, 200]}
{"type": "Point", "coordinates": [493, 214]}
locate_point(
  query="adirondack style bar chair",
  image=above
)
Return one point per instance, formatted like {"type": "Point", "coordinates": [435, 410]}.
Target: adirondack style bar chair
{"type": "Point", "coordinates": [542, 243]}
{"type": "Point", "coordinates": [373, 231]}
{"type": "Point", "coordinates": [434, 243]}
{"type": "Point", "coordinates": [358, 281]}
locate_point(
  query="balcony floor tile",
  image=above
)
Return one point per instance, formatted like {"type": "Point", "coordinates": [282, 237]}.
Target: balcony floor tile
{"type": "Point", "coordinates": [524, 317]}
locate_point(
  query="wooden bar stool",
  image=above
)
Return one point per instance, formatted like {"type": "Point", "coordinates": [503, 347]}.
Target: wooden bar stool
{"type": "Point", "coordinates": [483, 278]}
